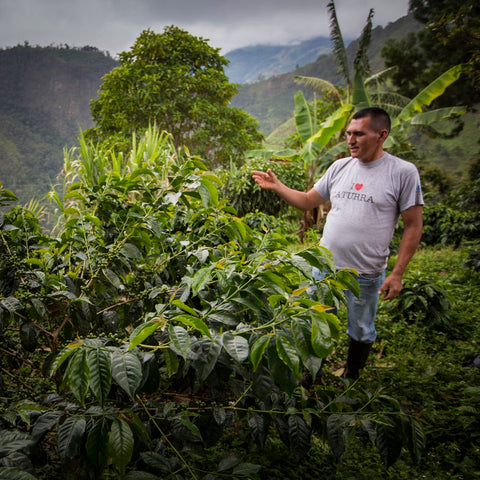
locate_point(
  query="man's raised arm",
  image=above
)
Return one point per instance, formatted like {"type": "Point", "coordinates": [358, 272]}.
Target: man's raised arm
{"type": "Point", "coordinates": [302, 200]}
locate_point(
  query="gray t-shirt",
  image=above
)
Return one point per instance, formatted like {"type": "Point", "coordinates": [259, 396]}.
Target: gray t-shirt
{"type": "Point", "coordinates": [367, 199]}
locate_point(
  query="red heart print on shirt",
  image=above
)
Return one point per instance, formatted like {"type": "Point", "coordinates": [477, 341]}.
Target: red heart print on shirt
{"type": "Point", "coordinates": [358, 186]}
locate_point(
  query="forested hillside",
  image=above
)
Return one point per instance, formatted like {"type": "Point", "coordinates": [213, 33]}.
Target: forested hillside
{"type": "Point", "coordinates": [44, 103]}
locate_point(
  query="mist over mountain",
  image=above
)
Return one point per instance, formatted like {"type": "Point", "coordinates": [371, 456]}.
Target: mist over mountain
{"type": "Point", "coordinates": [259, 62]}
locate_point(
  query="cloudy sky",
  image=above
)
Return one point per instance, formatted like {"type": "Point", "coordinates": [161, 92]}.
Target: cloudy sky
{"type": "Point", "coordinates": [114, 25]}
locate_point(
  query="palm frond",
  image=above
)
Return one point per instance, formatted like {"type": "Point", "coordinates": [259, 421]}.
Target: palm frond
{"type": "Point", "coordinates": [361, 64]}
{"type": "Point", "coordinates": [380, 77]}
{"type": "Point", "coordinates": [338, 45]}
{"type": "Point", "coordinates": [392, 102]}
{"type": "Point", "coordinates": [319, 85]}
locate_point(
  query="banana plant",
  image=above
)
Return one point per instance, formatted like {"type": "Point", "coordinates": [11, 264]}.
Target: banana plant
{"type": "Point", "coordinates": [316, 135]}
{"type": "Point", "coordinates": [414, 115]}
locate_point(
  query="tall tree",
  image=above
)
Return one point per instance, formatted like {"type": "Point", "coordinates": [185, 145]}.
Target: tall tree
{"type": "Point", "coordinates": [176, 81]}
{"type": "Point", "coordinates": [450, 37]}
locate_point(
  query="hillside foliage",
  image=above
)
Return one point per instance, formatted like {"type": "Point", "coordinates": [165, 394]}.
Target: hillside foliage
{"type": "Point", "coordinates": [44, 104]}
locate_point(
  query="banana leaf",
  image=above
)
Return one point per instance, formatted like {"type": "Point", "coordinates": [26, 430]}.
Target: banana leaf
{"type": "Point", "coordinates": [430, 93]}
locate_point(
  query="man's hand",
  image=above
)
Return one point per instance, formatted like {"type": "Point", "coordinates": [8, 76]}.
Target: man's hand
{"type": "Point", "coordinates": [391, 287]}
{"type": "Point", "coordinates": [267, 180]}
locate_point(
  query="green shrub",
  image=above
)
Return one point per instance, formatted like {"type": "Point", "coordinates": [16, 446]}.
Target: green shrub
{"type": "Point", "coordinates": [247, 197]}
{"type": "Point", "coordinates": [423, 301]}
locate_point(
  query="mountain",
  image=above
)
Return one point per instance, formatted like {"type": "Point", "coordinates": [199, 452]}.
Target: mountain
{"type": "Point", "coordinates": [271, 100]}
{"type": "Point", "coordinates": [45, 94]}
{"type": "Point", "coordinates": [255, 63]}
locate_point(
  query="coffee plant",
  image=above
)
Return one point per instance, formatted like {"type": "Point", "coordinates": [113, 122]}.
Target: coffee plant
{"type": "Point", "coordinates": [177, 334]}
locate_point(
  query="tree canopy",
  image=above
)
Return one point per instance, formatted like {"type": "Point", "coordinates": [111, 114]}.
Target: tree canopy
{"type": "Point", "coordinates": [449, 38]}
{"type": "Point", "coordinates": [176, 81]}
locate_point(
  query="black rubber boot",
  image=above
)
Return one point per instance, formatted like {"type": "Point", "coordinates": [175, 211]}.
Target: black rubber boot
{"type": "Point", "coordinates": [356, 358]}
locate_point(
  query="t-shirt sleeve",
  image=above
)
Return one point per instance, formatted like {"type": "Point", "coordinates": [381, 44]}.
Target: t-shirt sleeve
{"type": "Point", "coordinates": [411, 190]}
{"type": "Point", "coordinates": [323, 185]}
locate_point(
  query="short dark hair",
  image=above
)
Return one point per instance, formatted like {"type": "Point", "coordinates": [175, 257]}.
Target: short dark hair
{"type": "Point", "coordinates": [380, 118]}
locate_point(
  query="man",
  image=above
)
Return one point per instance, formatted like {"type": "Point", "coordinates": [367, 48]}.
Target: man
{"type": "Point", "coordinates": [368, 192]}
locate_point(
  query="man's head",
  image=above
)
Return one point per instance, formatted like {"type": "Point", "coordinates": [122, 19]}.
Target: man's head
{"type": "Point", "coordinates": [379, 118]}
{"type": "Point", "coordinates": [366, 133]}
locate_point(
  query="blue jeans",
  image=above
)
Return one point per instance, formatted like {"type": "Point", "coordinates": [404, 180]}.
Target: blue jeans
{"type": "Point", "coordinates": [361, 311]}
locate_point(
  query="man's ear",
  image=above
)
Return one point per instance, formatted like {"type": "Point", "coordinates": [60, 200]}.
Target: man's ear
{"type": "Point", "coordinates": [384, 134]}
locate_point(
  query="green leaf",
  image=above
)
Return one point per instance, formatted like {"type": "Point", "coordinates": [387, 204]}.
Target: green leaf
{"type": "Point", "coordinates": [209, 193]}
{"type": "Point", "coordinates": [180, 339]}
{"type": "Point", "coordinates": [228, 462]}
{"type": "Point", "coordinates": [14, 473]}
{"type": "Point", "coordinates": [70, 438]}
{"type": "Point", "coordinates": [359, 92]}
{"type": "Point", "coordinates": [201, 278]}
{"type": "Point", "coordinates": [77, 375]}
{"type": "Point", "coordinates": [258, 350]}
{"type": "Point", "coordinates": [299, 434]}
{"type": "Point", "coordinates": [13, 441]}
{"type": "Point", "coordinates": [246, 469]}
{"type": "Point", "coordinates": [63, 355]}
{"type": "Point", "coordinates": [288, 354]}
{"type": "Point", "coordinates": [113, 278]}
{"type": "Point", "coordinates": [258, 428]}
{"type": "Point", "coordinates": [120, 444]}
{"type": "Point", "coordinates": [171, 361]}
{"type": "Point", "coordinates": [303, 117]}
{"type": "Point", "coordinates": [335, 427]}
{"type": "Point", "coordinates": [100, 374]}
{"type": "Point", "coordinates": [332, 125]}
{"type": "Point", "coordinates": [389, 443]}
{"type": "Point", "coordinates": [236, 346]}
{"type": "Point", "coordinates": [11, 304]}
{"type": "Point", "coordinates": [191, 427]}
{"type": "Point", "coordinates": [126, 371]}
{"type": "Point", "coordinates": [432, 116]}
{"type": "Point", "coordinates": [194, 322]}
{"type": "Point", "coordinates": [97, 444]}
{"type": "Point", "coordinates": [429, 93]}
{"type": "Point", "coordinates": [143, 331]}
{"type": "Point", "coordinates": [302, 334]}
{"type": "Point", "coordinates": [183, 306]}
{"type": "Point", "coordinates": [321, 337]}
{"type": "Point", "coordinates": [45, 423]}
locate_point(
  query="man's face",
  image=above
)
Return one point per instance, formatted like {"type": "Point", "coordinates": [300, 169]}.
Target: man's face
{"type": "Point", "coordinates": [364, 142]}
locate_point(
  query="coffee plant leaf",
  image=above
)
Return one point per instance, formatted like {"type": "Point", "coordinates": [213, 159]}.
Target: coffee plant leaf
{"type": "Point", "coordinates": [70, 437]}
{"type": "Point", "coordinates": [194, 322]}
{"type": "Point", "coordinates": [180, 340]}
{"type": "Point", "coordinates": [120, 444]}
{"type": "Point", "coordinates": [14, 473]}
{"type": "Point", "coordinates": [77, 375]}
{"type": "Point", "coordinates": [236, 346]}
{"type": "Point", "coordinates": [96, 444]}
{"type": "Point", "coordinates": [258, 350]}
{"type": "Point", "coordinates": [99, 364]}
{"type": "Point", "coordinates": [126, 371]}
{"type": "Point", "coordinates": [321, 337]}
{"type": "Point", "coordinates": [288, 354]}
{"type": "Point", "coordinates": [300, 435]}
{"type": "Point", "coordinates": [143, 331]}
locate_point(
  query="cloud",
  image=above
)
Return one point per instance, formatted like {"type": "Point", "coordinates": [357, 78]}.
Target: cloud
{"type": "Point", "coordinates": [114, 25]}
